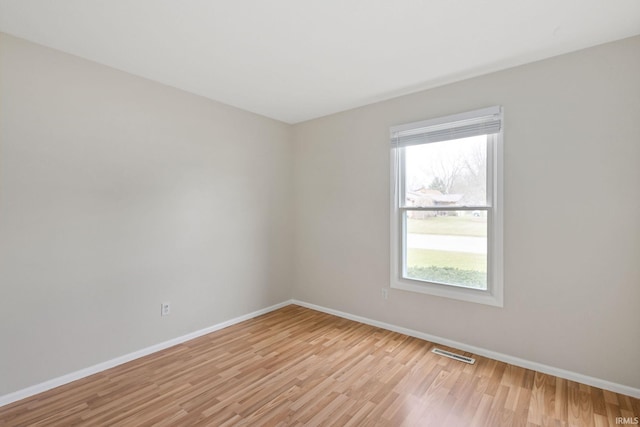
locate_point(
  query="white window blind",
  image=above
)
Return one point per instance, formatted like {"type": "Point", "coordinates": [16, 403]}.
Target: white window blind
{"type": "Point", "coordinates": [487, 121]}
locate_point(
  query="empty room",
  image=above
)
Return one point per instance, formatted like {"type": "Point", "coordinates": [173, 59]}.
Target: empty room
{"type": "Point", "coordinates": [319, 213]}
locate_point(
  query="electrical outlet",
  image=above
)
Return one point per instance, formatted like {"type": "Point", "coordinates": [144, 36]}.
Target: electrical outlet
{"type": "Point", "coordinates": [385, 293]}
{"type": "Point", "coordinates": [165, 309]}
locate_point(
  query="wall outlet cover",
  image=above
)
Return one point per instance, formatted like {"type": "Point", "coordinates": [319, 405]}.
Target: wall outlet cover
{"type": "Point", "coordinates": [165, 309]}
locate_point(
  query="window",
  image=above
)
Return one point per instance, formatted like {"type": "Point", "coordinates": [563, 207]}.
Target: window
{"type": "Point", "coordinates": [446, 208]}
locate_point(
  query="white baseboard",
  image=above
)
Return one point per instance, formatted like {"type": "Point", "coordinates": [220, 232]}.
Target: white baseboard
{"type": "Point", "coordinates": [545, 369]}
{"type": "Point", "coordinates": [73, 376]}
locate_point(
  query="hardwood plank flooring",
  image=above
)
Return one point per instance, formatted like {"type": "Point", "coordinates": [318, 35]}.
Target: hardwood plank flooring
{"type": "Point", "coordinates": [300, 367]}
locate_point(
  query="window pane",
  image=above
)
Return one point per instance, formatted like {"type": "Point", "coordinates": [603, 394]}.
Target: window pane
{"type": "Point", "coordinates": [447, 247]}
{"type": "Point", "coordinates": [448, 173]}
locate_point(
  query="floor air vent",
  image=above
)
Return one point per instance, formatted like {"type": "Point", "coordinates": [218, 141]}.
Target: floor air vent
{"type": "Point", "coordinates": [445, 353]}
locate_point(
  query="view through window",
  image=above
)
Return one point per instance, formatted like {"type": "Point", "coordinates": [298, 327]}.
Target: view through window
{"type": "Point", "coordinates": [447, 243]}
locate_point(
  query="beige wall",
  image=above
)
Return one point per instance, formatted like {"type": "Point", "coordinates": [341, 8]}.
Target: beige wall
{"type": "Point", "coordinates": [572, 213]}
{"type": "Point", "coordinates": [116, 194]}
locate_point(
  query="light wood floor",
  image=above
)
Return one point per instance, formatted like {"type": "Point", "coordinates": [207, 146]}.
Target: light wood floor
{"type": "Point", "coordinates": [299, 367]}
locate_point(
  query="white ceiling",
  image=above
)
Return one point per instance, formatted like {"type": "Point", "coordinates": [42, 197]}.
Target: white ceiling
{"type": "Point", "coordinates": [295, 60]}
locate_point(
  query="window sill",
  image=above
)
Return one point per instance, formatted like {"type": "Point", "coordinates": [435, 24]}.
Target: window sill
{"type": "Point", "coordinates": [453, 292]}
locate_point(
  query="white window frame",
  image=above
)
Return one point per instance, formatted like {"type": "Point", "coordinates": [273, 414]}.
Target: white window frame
{"type": "Point", "coordinates": [494, 294]}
